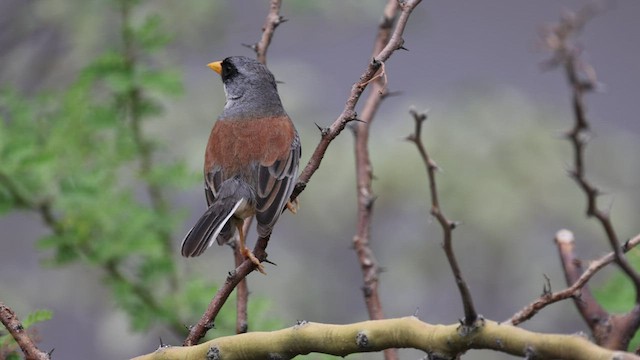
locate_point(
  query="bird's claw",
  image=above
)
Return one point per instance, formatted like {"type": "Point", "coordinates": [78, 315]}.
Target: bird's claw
{"type": "Point", "coordinates": [249, 255]}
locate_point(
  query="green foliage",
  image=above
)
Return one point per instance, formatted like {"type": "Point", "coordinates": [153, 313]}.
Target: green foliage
{"type": "Point", "coordinates": [618, 294]}
{"type": "Point", "coordinates": [8, 347]}
{"type": "Point", "coordinates": [80, 158]}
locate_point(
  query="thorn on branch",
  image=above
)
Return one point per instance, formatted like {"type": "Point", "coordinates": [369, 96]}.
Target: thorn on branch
{"type": "Point", "coordinates": [253, 47]}
{"type": "Point", "coordinates": [362, 340]}
{"type": "Point", "coordinates": [546, 288]}
{"type": "Point", "coordinates": [231, 275]}
{"type": "Point", "coordinates": [388, 94]}
{"type": "Point", "coordinates": [323, 130]}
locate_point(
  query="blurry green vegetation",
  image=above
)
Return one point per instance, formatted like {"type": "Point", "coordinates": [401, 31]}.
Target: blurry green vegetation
{"type": "Point", "coordinates": [618, 295]}
{"type": "Point", "coordinates": [81, 159]}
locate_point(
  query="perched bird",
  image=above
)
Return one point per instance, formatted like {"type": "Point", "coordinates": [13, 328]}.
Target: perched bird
{"type": "Point", "coordinates": [250, 162]}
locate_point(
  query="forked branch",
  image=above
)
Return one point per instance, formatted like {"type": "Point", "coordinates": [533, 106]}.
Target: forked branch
{"type": "Point", "coordinates": [578, 290]}
{"type": "Point", "coordinates": [612, 331]}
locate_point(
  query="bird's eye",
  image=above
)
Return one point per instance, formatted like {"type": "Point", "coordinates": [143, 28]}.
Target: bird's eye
{"type": "Point", "coordinates": [228, 70]}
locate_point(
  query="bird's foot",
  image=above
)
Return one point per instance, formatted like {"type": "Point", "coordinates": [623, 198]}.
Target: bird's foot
{"type": "Point", "coordinates": [249, 255]}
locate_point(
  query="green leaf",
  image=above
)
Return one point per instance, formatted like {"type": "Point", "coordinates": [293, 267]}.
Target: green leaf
{"type": "Point", "coordinates": [37, 317]}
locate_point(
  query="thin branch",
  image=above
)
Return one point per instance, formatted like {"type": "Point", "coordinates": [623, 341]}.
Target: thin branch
{"type": "Point", "coordinates": [349, 114]}
{"type": "Point", "coordinates": [242, 290]}
{"type": "Point", "coordinates": [205, 323]}
{"type": "Point", "coordinates": [614, 331]}
{"type": "Point", "coordinates": [470, 314]}
{"type": "Point", "coordinates": [437, 341]}
{"type": "Point", "coordinates": [270, 24]}
{"type": "Point", "coordinates": [364, 173]}
{"type": "Point", "coordinates": [581, 78]}
{"type": "Point", "coordinates": [19, 334]}
{"type": "Point", "coordinates": [575, 276]}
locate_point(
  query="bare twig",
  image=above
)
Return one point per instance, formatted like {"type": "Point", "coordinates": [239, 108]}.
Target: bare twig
{"type": "Point", "coordinates": [270, 24]}
{"type": "Point", "coordinates": [18, 332]}
{"type": "Point", "coordinates": [364, 174]}
{"type": "Point", "coordinates": [582, 80]}
{"type": "Point", "coordinates": [242, 290]}
{"type": "Point", "coordinates": [348, 114]}
{"type": "Point", "coordinates": [237, 278]}
{"type": "Point", "coordinates": [575, 276]}
{"type": "Point", "coordinates": [470, 314]}
{"type": "Point", "coordinates": [197, 331]}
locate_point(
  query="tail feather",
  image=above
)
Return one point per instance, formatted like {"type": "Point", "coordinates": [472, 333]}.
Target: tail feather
{"type": "Point", "coordinates": [208, 227]}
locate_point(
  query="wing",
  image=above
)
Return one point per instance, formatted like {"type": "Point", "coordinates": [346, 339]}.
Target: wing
{"type": "Point", "coordinates": [275, 185]}
{"type": "Point", "coordinates": [212, 182]}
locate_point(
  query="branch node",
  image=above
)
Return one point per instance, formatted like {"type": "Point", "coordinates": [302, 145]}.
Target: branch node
{"type": "Point", "coordinates": [213, 353]}
{"type": "Point", "coordinates": [362, 340]}
{"type": "Point", "coordinates": [253, 47]}
{"type": "Point", "coordinates": [470, 326]}
{"type": "Point", "coordinates": [300, 323]}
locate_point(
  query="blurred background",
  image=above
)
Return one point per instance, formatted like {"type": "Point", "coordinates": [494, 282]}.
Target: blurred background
{"type": "Point", "coordinates": [494, 127]}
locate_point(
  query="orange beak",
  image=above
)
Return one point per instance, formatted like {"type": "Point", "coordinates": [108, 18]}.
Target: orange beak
{"type": "Point", "coordinates": [216, 66]}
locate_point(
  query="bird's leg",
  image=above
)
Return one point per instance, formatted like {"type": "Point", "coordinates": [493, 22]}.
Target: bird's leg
{"type": "Point", "coordinates": [246, 252]}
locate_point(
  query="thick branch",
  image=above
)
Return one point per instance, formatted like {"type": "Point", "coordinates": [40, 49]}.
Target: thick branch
{"type": "Point", "coordinates": [470, 314]}
{"type": "Point", "coordinates": [578, 290]}
{"type": "Point", "coordinates": [17, 331]}
{"type": "Point", "coordinates": [591, 311]}
{"type": "Point", "coordinates": [438, 341]}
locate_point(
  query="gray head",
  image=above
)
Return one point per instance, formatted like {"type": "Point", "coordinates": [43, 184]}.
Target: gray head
{"type": "Point", "coordinates": [250, 88]}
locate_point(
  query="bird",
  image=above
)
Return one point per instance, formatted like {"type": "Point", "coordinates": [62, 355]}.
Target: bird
{"type": "Point", "coordinates": [251, 160]}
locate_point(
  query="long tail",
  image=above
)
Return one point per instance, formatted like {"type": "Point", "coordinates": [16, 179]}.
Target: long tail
{"type": "Point", "coordinates": [206, 230]}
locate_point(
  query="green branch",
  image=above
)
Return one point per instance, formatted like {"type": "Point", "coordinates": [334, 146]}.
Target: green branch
{"type": "Point", "coordinates": [439, 341]}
